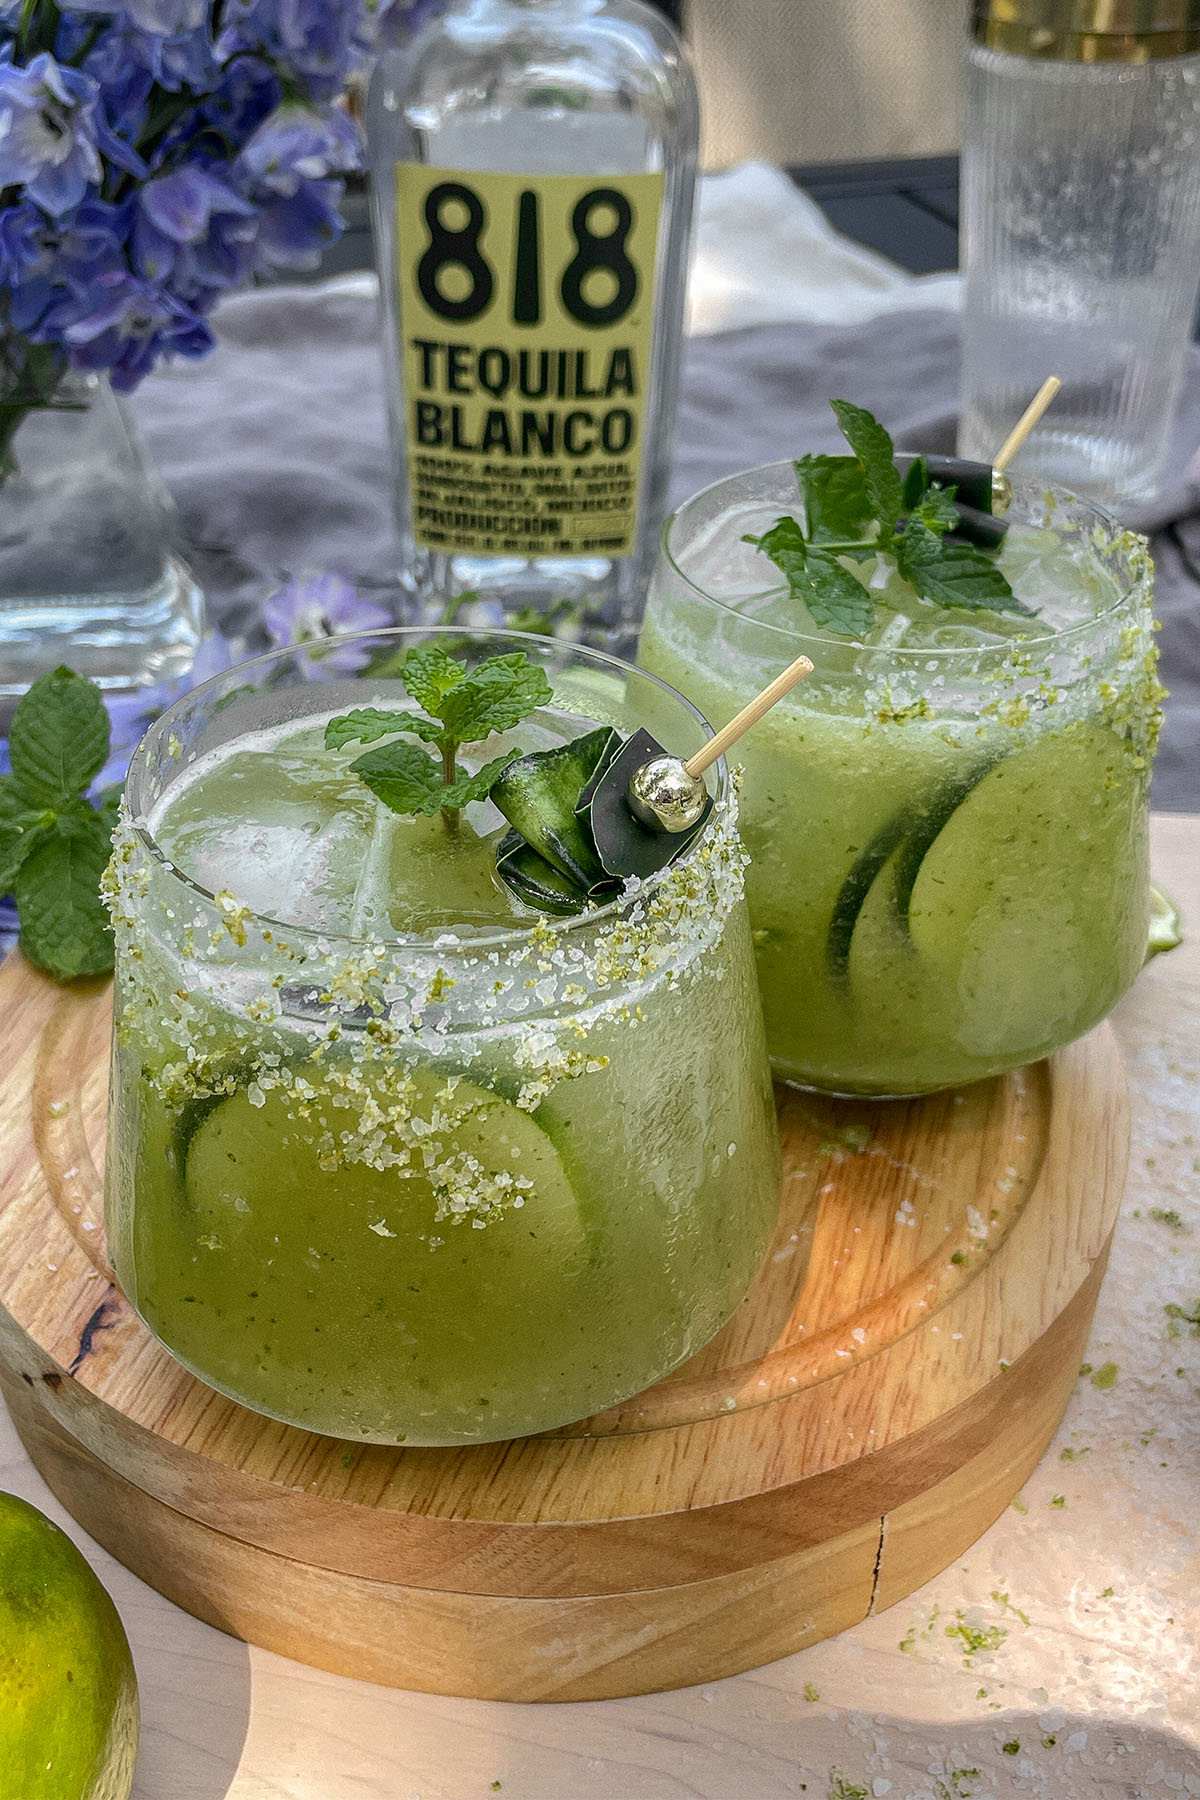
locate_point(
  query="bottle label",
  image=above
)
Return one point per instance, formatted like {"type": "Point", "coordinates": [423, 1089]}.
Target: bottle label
{"type": "Point", "coordinates": [525, 315]}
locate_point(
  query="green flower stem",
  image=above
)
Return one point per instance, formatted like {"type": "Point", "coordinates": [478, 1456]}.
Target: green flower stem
{"type": "Point", "coordinates": [12, 415]}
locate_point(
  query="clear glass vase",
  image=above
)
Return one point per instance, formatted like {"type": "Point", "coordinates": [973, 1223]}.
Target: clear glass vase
{"type": "Point", "coordinates": [88, 573]}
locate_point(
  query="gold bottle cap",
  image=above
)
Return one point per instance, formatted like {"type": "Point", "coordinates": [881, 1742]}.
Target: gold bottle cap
{"type": "Point", "coordinates": [1130, 31]}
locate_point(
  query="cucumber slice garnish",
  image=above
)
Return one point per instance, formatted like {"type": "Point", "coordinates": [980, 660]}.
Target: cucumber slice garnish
{"type": "Point", "coordinates": [1019, 906]}
{"type": "Point", "coordinates": [852, 895]}
{"type": "Point", "coordinates": [931, 822]}
{"type": "Point", "coordinates": [259, 1174]}
{"type": "Point", "coordinates": [904, 842]}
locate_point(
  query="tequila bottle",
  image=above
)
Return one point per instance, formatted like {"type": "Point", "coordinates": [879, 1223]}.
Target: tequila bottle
{"type": "Point", "coordinates": [532, 168]}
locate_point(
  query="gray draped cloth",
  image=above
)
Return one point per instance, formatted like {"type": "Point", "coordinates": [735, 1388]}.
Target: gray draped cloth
{"type": "Point", "coordinates": [275, 449]}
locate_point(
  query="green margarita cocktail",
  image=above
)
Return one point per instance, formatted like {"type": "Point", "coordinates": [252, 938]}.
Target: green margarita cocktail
{"type": "Point", "coordinates": [393, 1156]}
{"type": "Point", "coordinates": [947, 820]}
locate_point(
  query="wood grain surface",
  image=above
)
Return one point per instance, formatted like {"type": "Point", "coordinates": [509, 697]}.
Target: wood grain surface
{"type": "Point", "coordinates": [898, 1369]}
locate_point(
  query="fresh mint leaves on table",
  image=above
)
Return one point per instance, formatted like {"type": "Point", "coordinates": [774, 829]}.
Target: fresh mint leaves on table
{"type": "Point", "coordinates": [54, 844]}
{"type": "Point", "coordinates": [861, 506]}
{"type": "Point", "coordinates": [461, 706]}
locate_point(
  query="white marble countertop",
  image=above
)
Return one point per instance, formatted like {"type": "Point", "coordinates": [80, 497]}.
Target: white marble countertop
{"type": "Point", "coordinates": [1059, 1659]}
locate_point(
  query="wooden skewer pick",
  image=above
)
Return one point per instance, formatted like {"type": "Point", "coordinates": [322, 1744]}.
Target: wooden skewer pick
{"type": "Point", "coordinates": [666, 794]}
{"type": "Point", "coordinates": [749, 715]}
{"type": "Point", "coordinates": [1026, 423]}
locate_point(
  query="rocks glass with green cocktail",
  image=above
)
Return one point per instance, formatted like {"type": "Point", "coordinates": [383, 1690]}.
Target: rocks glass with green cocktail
{"type": "Point", "coordinates": [947, 820]}
{"type": "Point", "coordinates": [392, 1156]}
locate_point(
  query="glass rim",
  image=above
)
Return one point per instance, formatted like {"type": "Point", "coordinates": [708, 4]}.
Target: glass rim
{"type": "Point", "coordinates": [804, 640]}
{"type": "Point", "coordinates": [442, 940]}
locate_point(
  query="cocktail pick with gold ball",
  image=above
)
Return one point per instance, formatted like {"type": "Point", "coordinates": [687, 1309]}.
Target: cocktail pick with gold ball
{"type": "Point", "coordinates": [589, 815]}
{"type": "Point", "coordinates": [667, 793]}
{"type": "Point", "coordinates": [983, 491]}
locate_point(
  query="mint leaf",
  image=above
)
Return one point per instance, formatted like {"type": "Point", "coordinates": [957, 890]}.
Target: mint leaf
{"type": "Point", "coordinates": [787, 548]}
{"type": "Point", "coordinates": [495, 696]}
{"type": "Point", "coordinates": [834, 491]}
{"type": "Point", "coordinates": [366, 723]}
{"type": "Point", "coordinates": [21, 828]}
{"type": "Point", "coordinates": [409, 780]}
{"type": "Point", "coordinates": [405, 777]}
{"type": "Point", "coordinates": [466, 788]}
{"type": "Point", "coordinates": [875, 452]}
{"type": "Point", "coordinates": [916, 480]}
{"type": "Point", "coordinates": [953, 574]}
{"type": "Point", "coordinates": [936, 509]}
{"type": "Point", "coordinates": [429, 673]}
{"type": "Point", "coordinates": [64, 927]}
{"type": "Point", "coordinates": [467, 706]}
{"type": "Point", "coordinates": [836, 599]}
{"type": "Point", "coordinates": [59, 737]}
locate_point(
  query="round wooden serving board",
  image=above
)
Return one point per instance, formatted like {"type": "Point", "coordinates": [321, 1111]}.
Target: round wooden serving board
{"type": "Point", "coordinates": [846, 1436]}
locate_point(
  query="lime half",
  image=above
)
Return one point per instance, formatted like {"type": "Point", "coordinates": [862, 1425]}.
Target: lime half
{"type": "Point", "coordinates": [68, 1696]}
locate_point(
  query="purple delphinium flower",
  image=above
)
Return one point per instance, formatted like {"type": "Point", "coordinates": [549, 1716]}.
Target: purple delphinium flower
{"type": "Point", "coordinates": [297, 144]}
{"type": "Point", "coordinates": [313, 607]}
{"type": "Point", "coordinates": [163, 18]}
{"type": "Point", "coordinates": [20, 241]}
{"type": "Point", "coordinates": [123, 324]}
{"type": "Point", "coordinates": [161, 152]}
{"type": "Point", "coordinates": [48, 133]}
{"type": "Point", "coordinates": [176, 210]}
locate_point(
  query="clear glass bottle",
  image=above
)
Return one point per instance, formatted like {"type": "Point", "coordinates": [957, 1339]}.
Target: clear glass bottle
{"type": "Point", "coordinates": [1081, 227]}
{"type": "Point", "coordinates": [532, 167]}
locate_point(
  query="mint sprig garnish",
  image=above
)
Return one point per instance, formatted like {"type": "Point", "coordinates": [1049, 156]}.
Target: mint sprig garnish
{"type": "Point", "coordinates": [860, 507]}
{"type": "Point", "coordinates": [54, 844]}
{"type": "Point", "coordinates": [461, 706]}
{"type": "Point", "coordinates": [876, 457]}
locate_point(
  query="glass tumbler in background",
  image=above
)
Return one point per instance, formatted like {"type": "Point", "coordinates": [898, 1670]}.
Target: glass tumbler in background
{"type": "Point", "coordinates": [947, 825]}
{"type": "Point", "coordinates": [1081, 233]}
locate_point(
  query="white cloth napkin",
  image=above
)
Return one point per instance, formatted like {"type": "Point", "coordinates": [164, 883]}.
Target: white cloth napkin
{"type": "Point", "coordinates": [766, 255]}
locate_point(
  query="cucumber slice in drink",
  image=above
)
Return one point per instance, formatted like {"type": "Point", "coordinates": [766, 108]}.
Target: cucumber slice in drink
{"type": "Point", "coordinates": [258, 1174]}
{"type": "Point", "coordinates": [903, 843]}
{"type": "Point", "coordinates": [928, 827]}
{"type": "Point", "coordinates": [1017, 902]}
{"type": "Point", "coordinates": [852, 896]}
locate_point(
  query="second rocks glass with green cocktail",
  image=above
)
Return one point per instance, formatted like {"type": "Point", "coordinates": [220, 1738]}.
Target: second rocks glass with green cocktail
{"type": "Point", "coordinates": [394, 1155]}
{"type": "Point", "coordinates": [947, 820]}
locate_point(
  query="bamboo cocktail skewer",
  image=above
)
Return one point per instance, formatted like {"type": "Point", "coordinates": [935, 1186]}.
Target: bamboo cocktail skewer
{"type": "Point", "coordinates": [666, 794]}
{"type": "Point", "coordinates": [1026, 423]}
{"type": "Point", "coordinates": [750, 714]}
